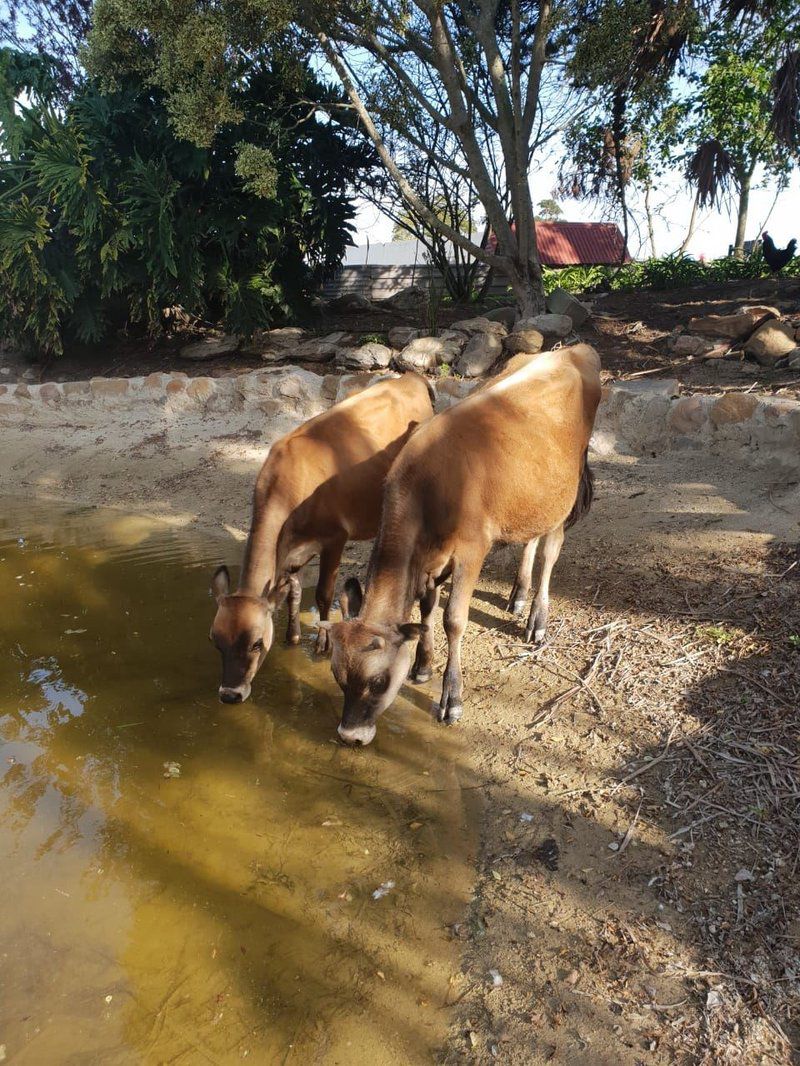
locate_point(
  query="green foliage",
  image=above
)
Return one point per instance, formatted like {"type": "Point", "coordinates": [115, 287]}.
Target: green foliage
{"type": "Point", "coordinates": [108, 219]}
{"type": "Point", "coordinates": [671, 272]}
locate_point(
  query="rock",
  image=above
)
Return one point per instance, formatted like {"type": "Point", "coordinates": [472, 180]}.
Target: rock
{"type": "Point", "coordinates": [400, 336]}
{"type": "Point", "coordinates": [560, 302]}
{"type": "Point", "coordinates": [454, 336]}
{"type": "Point", "coordinates": [471, 326]}
{"type": "Point", "coordinates": [733, 407]}
{"type": "Point", "coordinates": [758, 311]}
{"type": "Point", "coordinates": [109, 386]}
{"type": "Point", "coordinates": [351, 301]}
{"type": "Point", "coordinates": [529, 341]}
{"type": "Point", "coordinates": [663, 388]}
{"type": "Point", "coordinates": [424, 353]}
{"type": "Point", "coordinates": [481, 352]}
{"type": "Point", "coordinates": [321, 349]}
{"type": "Point", "coordinates": [686, 344]}
{"type": "Point", "coordinates": [369, 356]}
{"type": "Point", "coordinates": [50, 392]}
{"type": "Point", "coordinates": [736, 327]}
{"type": "Point", "coordinates": [210, 347]}
{"type": "Point", "coordinates": [771, 342]}
{"type": "Point", "coordinates": [553, 327]}
{"type": "Point", "coordinates": [506, 315]}
{"type": "Point", "coordinates": [794, 359]}
{"type": "Point", "coordinates": [274, 344]}
{"type": "Point", "coordinates": [449, 391]}
{"type": "Point", "coordinates": [688, 415]}
{"type": "Point", "coordinates": [201, 389]}
{"type": "Point", "coordinates": [411, 298]}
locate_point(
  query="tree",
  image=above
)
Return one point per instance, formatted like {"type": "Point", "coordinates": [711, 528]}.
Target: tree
{"type": "Point", "coordinates": [488, 72]}
{"type": "Point", "coordinates": [54, 28]}
{"type": "Point", "coordinates": [731, 116]}
{"type": "Point", "coordinates": [108, 218]}
{"type": "Point", "coordinates": [549, 210]}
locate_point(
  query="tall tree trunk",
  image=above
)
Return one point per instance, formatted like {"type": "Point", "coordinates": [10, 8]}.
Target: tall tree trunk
{"type": "Point", "coordinates": [692, 224]}
{"type": "Point", "coordinates": [741, 218]}
{"type": "Point", "coordinates": [649, 214]}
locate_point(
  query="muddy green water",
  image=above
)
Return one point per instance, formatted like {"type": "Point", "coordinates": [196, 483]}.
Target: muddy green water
{"type": "Point", "coordinates": [225, 914]}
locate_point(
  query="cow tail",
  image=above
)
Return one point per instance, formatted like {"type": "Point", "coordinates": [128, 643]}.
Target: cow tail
{"type": "Point", "coordinates": [585, 494]}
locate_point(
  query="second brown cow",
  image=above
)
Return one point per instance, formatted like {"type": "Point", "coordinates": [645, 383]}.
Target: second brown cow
{"type": "Point", "coordinates": [506, 464]}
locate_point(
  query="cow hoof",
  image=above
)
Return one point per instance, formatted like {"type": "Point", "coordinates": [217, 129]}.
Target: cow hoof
{"type": "Point", "coordinates": [454, 713]}
{"type": "Point", "coordinates": [535, 636]}
{"type": "Point", "coordinates": [293, 639]}
{"type": "Point", "coordinates": [449, 714]}
{"type": "Point", "coordinates": [516, 608]}
{"type": "Point", "coordinates": [419, 677]}
{"type": "Point", "coordinates": [321, 646]}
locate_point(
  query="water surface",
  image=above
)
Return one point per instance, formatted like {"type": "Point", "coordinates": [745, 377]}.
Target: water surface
{"type": "Point", "coordinates": [227, 913]}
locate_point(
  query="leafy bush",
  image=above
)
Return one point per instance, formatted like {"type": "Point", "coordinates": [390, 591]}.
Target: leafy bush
{"type": "Point", "coordinates": [671, 272]}
{"type": "Point", "coordinates": [108, 219]}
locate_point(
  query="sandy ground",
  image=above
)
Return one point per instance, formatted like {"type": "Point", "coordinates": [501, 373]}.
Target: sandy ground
{"type": "Point", "coordinates": [637, 888]}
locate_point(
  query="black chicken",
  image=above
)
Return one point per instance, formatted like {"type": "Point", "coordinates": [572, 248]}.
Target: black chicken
{"type": "Point", "coordinates": [777, 258]}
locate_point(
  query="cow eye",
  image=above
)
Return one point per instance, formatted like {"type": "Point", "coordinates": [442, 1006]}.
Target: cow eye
{"type": "Point", "coordinates": [379, 684]}
{"type": "Point", "coordinates": [258, 646]}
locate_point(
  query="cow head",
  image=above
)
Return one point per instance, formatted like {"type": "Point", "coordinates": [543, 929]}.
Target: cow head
{"type": "Point", "coordinates": [242, 632]}
{"type": "Point", "coordinates": [370, 663]}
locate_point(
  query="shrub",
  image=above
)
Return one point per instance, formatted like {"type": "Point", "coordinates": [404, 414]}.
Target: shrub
{"type": "Point", "coordinates": [108, 219]}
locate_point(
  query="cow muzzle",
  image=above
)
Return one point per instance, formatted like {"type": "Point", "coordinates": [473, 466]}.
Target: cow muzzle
{"type": "Point", "coordinates": [234, 695]}
{"type": "Point", "coordinates": [357, 734]}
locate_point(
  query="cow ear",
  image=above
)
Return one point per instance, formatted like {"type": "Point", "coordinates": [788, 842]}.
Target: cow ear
{"type": "Point", "coordinates": [412, 630]}
{"type": "Point", "coordinates": [220, 583]}
{"type": "Point", "coordinates": [351, 598]}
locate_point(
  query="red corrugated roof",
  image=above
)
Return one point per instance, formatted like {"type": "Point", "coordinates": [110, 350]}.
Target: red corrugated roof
{"type": "Point", "coordinates": [578, 243]}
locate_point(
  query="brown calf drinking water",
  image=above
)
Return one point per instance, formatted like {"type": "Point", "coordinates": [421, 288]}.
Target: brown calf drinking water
{"type": "Point", "coordinates": [509, 463]}
{"type": "Point", "coordinates": [320, 486]}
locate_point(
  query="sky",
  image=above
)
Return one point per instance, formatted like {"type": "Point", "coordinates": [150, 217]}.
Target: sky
{"type": "Point", "coordinates": [673, 202]}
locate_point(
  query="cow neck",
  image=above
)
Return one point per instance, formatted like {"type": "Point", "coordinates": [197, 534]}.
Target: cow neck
{"type": "Point", "coordinates": [389, 598]}
{"type": "Point", "coordinates": [260, 555]}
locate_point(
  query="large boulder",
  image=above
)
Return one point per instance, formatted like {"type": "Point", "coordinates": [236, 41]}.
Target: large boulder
{"type": "Point", "coordinates": [506, 315]}
{"type": "Point", "coordinates": [425, 353]}
{"type": "Point", "coordinates": [411, 298]}
{"type": "Point", "coordinates": [771, 342]}
{"type": "Point", "coordinates": [552, 327]}
{"type": "Point", "coordinates": [736, 327]}
{"type": "Point", "coordinates": [211, 346]}
{"type": "Point", "coordinates": [481, 324]}
{"type": "Point", "coordinates": [560, 302]}
{"type": "Point", "coordinates": [400, 336]}
{"type": "Point", "coordinates": [480, 353]}
{"type": "Point", "coordinates": [371, 356]}
{"type": "Point", "coordinates": [322, 349]}
{"type": "Point", "coordinates": [529, 341]}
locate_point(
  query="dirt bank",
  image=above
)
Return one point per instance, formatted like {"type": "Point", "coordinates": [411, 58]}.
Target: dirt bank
{"type": "Point", "coordinates": [637, 891]}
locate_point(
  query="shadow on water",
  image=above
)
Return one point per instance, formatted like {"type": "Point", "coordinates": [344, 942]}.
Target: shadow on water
{"type": "Point", "coordinates": [227, 912]}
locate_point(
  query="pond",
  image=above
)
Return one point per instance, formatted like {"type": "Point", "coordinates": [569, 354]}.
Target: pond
{"type": "Point", "coordinates": [188, 882]}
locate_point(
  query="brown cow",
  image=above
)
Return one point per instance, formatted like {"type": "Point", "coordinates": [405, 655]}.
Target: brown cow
{"type": "Point", "coordinates": [320, 486]}
{"type": "Point", "coordinates": [508, 463]}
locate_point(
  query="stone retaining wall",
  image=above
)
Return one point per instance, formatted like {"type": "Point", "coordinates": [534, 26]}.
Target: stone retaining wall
{"type": "Point", "coordinates": [635, 417]}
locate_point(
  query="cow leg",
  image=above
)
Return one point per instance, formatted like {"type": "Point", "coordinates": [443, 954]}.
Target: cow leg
{"type": "Point", "coordinates": [522, 586]}
{"type": "Point", "coordinates": [329, 559]}
{"type": "Point", "coordinates": [429, 601]}
{"type": "Point", "coordinates": [465, 575]}
{"type": "Point", "coordinates": [536, 630]}
{"type": "Point", "coordinates": [293, 601]}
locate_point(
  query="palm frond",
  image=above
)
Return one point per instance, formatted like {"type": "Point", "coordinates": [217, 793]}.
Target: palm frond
{"type": "Point", "coordinates": [710, 170]}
